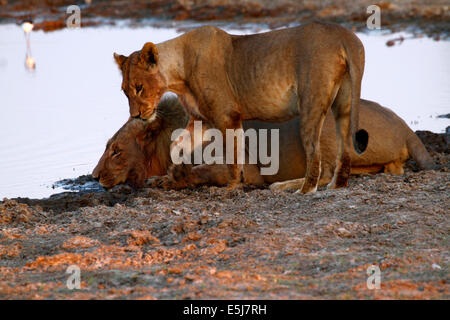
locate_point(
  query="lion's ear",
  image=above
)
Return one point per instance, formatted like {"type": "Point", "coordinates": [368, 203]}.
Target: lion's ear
{"type": "Point", "coordinates": [120, 59]}
{"type": "Point", "coordinates": [149, 54]}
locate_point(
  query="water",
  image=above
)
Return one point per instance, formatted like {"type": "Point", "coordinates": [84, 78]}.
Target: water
{"type": "Point", "coordinates": [54, 122]}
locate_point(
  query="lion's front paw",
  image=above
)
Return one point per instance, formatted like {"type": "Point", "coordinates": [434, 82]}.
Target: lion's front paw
{"type": "Point", "coordinates": [278, 186]}
{"type": "Point", "coordinates": [334, 184]}
{"type": "Point", "coordinates": [306, 190]}
{"type": "Point", "coordinates": [156, 181]}
{"type": "Point", "coordinates": [235, 186]}
{"type": "Point", "coordinates": [165, 182]}
{"type": "Point", "coordinates": [179, 172]}
{"type": "Point", "coordinates": [288, 185]}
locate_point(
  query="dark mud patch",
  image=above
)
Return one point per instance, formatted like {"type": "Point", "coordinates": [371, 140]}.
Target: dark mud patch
{"type": "Point", "coordinates": [435, 143]}
{"type": "Point", "coordinates": [81, 184]}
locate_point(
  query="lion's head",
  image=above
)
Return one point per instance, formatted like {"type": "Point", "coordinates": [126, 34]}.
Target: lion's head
{"type": "Point", "coordinates": [141, 149]}
{"type": "Point", "coordinates": [124, 157]}
{"type": "Point", "coordinates": [142, 82]}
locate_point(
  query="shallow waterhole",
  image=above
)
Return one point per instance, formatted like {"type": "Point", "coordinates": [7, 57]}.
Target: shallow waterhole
{"type": "Point", "coordinates": [55, 120]}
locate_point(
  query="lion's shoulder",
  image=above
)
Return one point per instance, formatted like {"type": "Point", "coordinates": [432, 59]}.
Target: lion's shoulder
{"type": "Point", "coordinates": [207, 35]}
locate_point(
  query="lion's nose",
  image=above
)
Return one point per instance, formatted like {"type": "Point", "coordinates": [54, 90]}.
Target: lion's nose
{"type": "Point", "coordinates": [135, 112]}
{"type": "Point", "coordinates": [95, 175]}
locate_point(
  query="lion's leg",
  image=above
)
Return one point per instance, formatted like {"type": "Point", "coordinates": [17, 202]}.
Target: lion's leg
{"type": "Point", "coordinates": [252, 175]}
{"type": "Point", "coordinates": [311, 143]}
{"type": "Point", "coordinates": [341, 110]}
{"type": "Point", "coordinates": [218, 104]}
{"type": "Point", "coordinates": [326, 174]}
{"type": "Point", "coordinates": [231, 154]}
{"type": "Point", "coordinates": [294, 184]}
{"type": "Point", "coordinates": [313, 109]}
{"type": "Point", "coordinates": [395, 167]}
{"type": "Point", "coordinates": [316, 94]}
{"type": "Point", "coordinates": [191, 144]}
{"type": "Point", "coordinates": [187, 144]}
{"type": "Point", "coordinates": [236, 171]}
{"type": "Point", "coordinates": [214, 174]}
{"type": "Point", "coordinates": [181, 176]}
{"type": "Point", "coordinates": [156, 181]}
{"type": "Point", "coordinates": [219, 175]}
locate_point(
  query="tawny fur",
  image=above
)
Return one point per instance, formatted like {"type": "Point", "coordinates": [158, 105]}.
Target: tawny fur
{"type": "Point", "coordinates": [275, 76]}
{"type": "Point", "coordinates": [392, 143]}
{"type": "Point", "coordinates": [141, 149]}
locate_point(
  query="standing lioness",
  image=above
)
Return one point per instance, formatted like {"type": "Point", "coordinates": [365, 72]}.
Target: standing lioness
{"type": "Point", "coordinates": [275, 76]}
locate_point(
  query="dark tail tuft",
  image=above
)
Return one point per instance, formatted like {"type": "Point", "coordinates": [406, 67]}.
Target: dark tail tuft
{"type": "Point", "coordinates": [355, 63]}
{"type": "Point", "coordinates": [361, 141]}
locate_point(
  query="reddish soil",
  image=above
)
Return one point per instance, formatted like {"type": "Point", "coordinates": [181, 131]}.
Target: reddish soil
{"type": "Point", "coordinates": [212, 243]}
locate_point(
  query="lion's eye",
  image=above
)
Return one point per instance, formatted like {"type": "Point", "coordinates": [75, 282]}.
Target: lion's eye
{"type": "Point", "coordinates": [116, 152]}
{"type": "Point", "coordinates": [138, 88]}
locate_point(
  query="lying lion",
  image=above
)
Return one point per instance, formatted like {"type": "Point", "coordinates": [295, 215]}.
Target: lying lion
{"type": "Point", "coordinates": [140, 150]}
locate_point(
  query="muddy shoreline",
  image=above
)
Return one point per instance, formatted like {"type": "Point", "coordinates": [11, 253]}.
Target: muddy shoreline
{"type": "Point", "coordinates": [422, 17]}
{"type": "Point", "coordinates": [210, 243]}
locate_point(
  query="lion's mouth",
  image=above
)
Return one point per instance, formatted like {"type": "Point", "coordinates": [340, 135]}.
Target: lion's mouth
{"type": "Point", "coordinates": [152, 117]}
{"type": "Point", "coordinates": [105, 184]}
{"type": "Point", "coordinates": [149, 116]}
{"type": "Point", "coordinates": [108, 184]}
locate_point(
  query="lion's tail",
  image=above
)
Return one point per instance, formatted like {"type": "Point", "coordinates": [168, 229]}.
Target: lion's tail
{"type": "Point", "coordinates": [418, 151]}
{"type": "Point", "coordinates": [355, 63]}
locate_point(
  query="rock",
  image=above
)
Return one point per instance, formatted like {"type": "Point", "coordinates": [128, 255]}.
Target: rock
{"type": "Point", "coordinates": [342, 232]}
